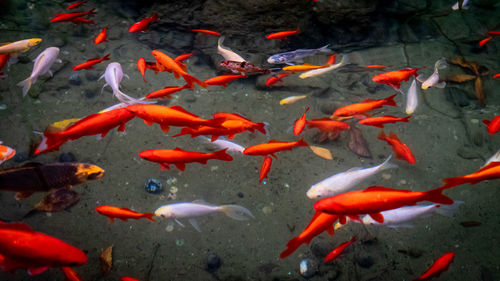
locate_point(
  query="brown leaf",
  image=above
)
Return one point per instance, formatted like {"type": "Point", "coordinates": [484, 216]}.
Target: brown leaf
{"type": "Point", "coordinates": [106, 260]}
{"type": "Point", "coordinates": [478, 84]}
{"type": "Point", "coordinates": [358, 144]}
{"type": "Point", "coordinates": [58, 200]}
{"type": "Point", "coordinates": [459, 78]}
{"type": "Point", "coordinates": [460, 61]}
{"type": "Point", "coordinates": [321, 152]}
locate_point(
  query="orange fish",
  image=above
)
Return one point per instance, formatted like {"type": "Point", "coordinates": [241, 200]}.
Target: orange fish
{"type": "Point", "coordinates": [327, 125]}
{"type": "Point", "coordinates": [70, 274]}
{"type": "Point", "coordinates": [179, 157]}
{"type": "Point", "coordinates": [394, 78]}
{"type": "Point", "coordinates": [300, 124]}
{"type": "Point", "coordinates": [489, 172]}
{"type": "Point", "coordinates": [206, 131]}
{"type": "Point", "coordinates": [381, 120]}
{"type": "Point", "coordinates": [222, 80]}
{"type": "Point", "coordinates": [71, 16]}
{"type": "Point", "coordinates": [81, 20]}
{"type": "Point", "coordinates": [166, 92]}
{"type": "Point", "coordinates": [126, 278]}
{"type": "Point", "coordinates": [76, 5]}
{"type": "Point", "coordinates": [89, 64]}
{"type": "Point", "coordinates": [166, 63]}
{"type": "Point", "coordinates": [276, 78]}
{"type": "Point", "coordinates": [282, 34]}
{"type": "Point", "coordinates": [101, 37]}
{"type": "Point", "coordinates": [493, 125]}
{"type": "Point", "coordinates": [206, 31]}
{"type": "Point", "coordinates": [264, 169]}
{"type": "Point", "coordinates": [320, 222]}
{"type": "Point", "coordinates": [494, 76]}
{"type": "Point", "coordinates": [272, 147]}
{"type": "Point", "coordinates": [402, 151]}
{"type": "Point", "coordinates": [23, 248]}
{"type": "Point", "coordinates": [183, 57]}
{"type": "Point", "coordinates": [6, 153]}
{"type": "Point", "coordinates": [439, 266]}
{"type": "Point", "coordinates": [364, 106]}
{"type": "Point", "coordinates": [376, 199]}
{"type": "Point", "coordinates": [122, 213]}
{"type": "Point", "coordinates": [141, 66]}
{"type": "Point", "coordinates": [337, 251]}
{"type": "Point", "coordinates": [484, 41]}
{"type": "Point", "coordinates": [243, 122]}
{"type": "Point", "coordinates": [331, 59]}
{"type": "Point", "coordinates": [143, 24]}
{"type": "Point", "coordinates": [303, 67]}
{"type": "Point", "coordinates": [376, 66]}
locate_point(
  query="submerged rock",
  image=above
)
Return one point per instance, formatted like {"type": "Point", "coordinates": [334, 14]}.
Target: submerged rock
{"type": "Point", "coordinates": [153, 186]}
{"type": "Point", "coordinates": [67, 157]}
{"type": "Point", "coordinates": [74, 79]}
{"type": "Point", "coordinates": [308, 268]}
{"type": "Point", "coordinates": [213, 262]}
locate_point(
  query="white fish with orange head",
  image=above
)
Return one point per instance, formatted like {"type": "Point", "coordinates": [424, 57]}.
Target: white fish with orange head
{"type": "Point", "coordinates": [433, 80]}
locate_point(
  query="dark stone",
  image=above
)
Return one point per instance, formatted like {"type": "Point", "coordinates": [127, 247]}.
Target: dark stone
{"type": "Point", "coordinates": [320, 247]}
{"type": "Point", "coordinates": [23, 59]}
{"type": "Point", "coordinates": [457, 96]}
{"type": "Point", "coordinates": [213, 262]}
{"type": "Point", "coordinates": [153, 186]}
{"type": "Point", "coordinates": [240, 194]}
{"type": "Point", "coordinates": [365, 261]}
{"type": "Point", "coordinates": [189, 97]}
{"type": "Point", "coordinates": [74, 79]}
{"type": "Point", "coordinates": [331, 275]}
{"type": "Point", "coordinates": [67, 157]}
{"type": "Point", "coordinates": [21, 157]}
{"type": "Point", "coordinates": [91, 75]}
{"type": "Point", "coordinates": [90, 93]}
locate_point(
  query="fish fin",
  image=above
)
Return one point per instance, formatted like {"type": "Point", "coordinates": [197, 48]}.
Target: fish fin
{"type": "Point", "coordinates": [486, 122]}
{"type": "Point", "coordinates": [291, 247]}
{"type": "Point", "coordinates": [378, 217]}
{"type": "Point", "coordinates": [301, 142]}
{"type": "Point", "coordinates": [236, 212]}
{"type": "Point", "coordinates": [331, 59]}
{"type": "Point", "coordinates": [230, 137]}
{"type": "Point", "coordinates": [330, 230]}
{"type": "Point", "coordinates": [222, 155]}
{"type": "Point", "coordinates": [164, 166]}
{"type": "Point", "coordinates": [382, 135]}
{"type": "Point", "coordinates": [180, 166]}
{"type": "Point", "coordinates": [214, 138]}
{"type": "Point", "coordinates": [111, 220]}
{"type": "Point", "coordinates": [420, 78]}
{"type": "Point", "coordinates": [165, 128]}
{"type": "Point", "coordinates": [177, 76]}
{"type": "Point", "coordinates": [194, 223]}
{"type": "Point", "coordinates": [393, 136]}
{"type": "Point", "coordinates": [390, 100]}
{"type": "Point", "coordinates": [23, 195]}
{"type": "Point", "coordinates": [436, 196]}
{"type": "Point", "coordinates": [26, 85]}
{"type": "Point", "coordinates": [37, 270]}
{"type": "Point", "coordinates": [147, 122]}
{"type": "Point", "coordinates": [16, 226]}
{"type": "Point", "coordinates": [325, 49]}
{"type": "Point", "coordinates": [181, 109]}
{"type": "Point", "coordinates": [440, 85]}
{"type": "Point", "coordinates": [354, 218]}
{"type": "Point", "coordinates": [50, 73]}
{"type": "Point", "coordinates": [342, 220]}
{"type": "Point", "coordinates": [126, 76]}
{"type": "Point", "coordinates": [180, 223]}
{"type": "Point", "coordinates": [272, 154]}
{"type": "Point", "coordinates": [149, 216]}
{"type": "Point", "coordinates": [190, 80]}
{"type": "Point", "coordinates": [121, 128]}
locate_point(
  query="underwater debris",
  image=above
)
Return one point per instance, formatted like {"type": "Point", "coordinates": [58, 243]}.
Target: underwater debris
{"type": "Point", "coordinates": [106, 260]}
{"type": "Point", "coordinates": [478, 71]}
{"type": "Point", "coordinates": [358, 143]}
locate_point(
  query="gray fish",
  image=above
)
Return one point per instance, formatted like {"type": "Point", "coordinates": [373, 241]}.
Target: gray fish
{"type": "Point", "coordinates": [297, 55]}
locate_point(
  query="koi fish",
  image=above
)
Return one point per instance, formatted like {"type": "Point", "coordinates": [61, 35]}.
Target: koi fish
{"type": "Point", "coordinates": [4, 59]}
{"type": "Point", "coordinates": [122, 213]}
{"type": "Point", "coordinates": [113, 77]}
{"type": "Point", "coordinates": [231, 147]}
{"type": "Point", "coordinates": [227, 53]}
{"type": "Point", "coordinates": [60, 126]}
{"type": "Point", "coordinates": [337, 251]}
{"type": "Point", "coordinates": [264, 169]}
{"type": "Point", "coordinates": [282, 34]}
{"type": "Point", "coordinates": [439, 266]}
{"type": "Point", "coordinates": [210, 32]}
{"type": "Point", "coordinates": [101, 37]}
{"type": "Point", "coordinates": [300, 124]}
{"type": "Point", "coordinates": [71, 16]}
{"type": "Point", "coordinates": [42, 65]}
{"type": "Point", "coordinates": [394, 78]}
{"type": "Point", "coordinates": [141, 66]}
{"type": "Point", "coordinates": [142, 25]}
{"type": "Point", "coordinates": [70, 274]}
{"type": "Point", "coordinates": [89, 64]}
{"type": "Point", "coordinates": [166, 92]}
{"type": "Point", "coordinates": [17, 47]}
{"type": "Point", "coordinates": [179, 157]}
{"type": "Point", "coordinates": [76, 5]}
{"type": "Point", "coordinates": [488, 172]}
{"type": "Point", "coordinates": [412, 98]}
{"type": "Point", "coordinates": [433, 80]}
{"type": "Point", "coordinates": [493, 125]}
{"type": "Point", "coordinates": [276, 78]}
{"type": "Point", "coordinates": [456, 6]}
{"type": "Point", "coordinates": [166, 63]}
{"type": "Point", "coordinates": [381, 120]}
{"type": "Point", "coordinates": [376, 199]}
{"type": "Point", "coordinates": [23, 248]}
{"type": "Point", "coordinates": [199, 208]}
{"type": "Point", "coordinates": [223, 80]}
{"type": "Point", "coordinates": [303, 67]}
{"type": "Point", "coordinates": [321, 71]}
{"type": "Point", "coordinates": [243, 67]}
{"type": "Point", "coordinates": [297, 55]}
{"type": "Point", "coordinates": [272, 147]}
{"type": "Point", "coordinates": [292, 99]}
{"type": "Point", "coordinates": [81, 20]}
{"type": "Point", "coordinates": [320, 222]}
{"type": "Point", "coordinates": [484, 41]}
{"type": "Point", "coordinates": [364, 106]}
{"type": "Point", "coordinates": [402, 151]}
{"type": "Point", "coordinates": [345, 181]}
{"type": "Point", "coordinates": [6, 153]}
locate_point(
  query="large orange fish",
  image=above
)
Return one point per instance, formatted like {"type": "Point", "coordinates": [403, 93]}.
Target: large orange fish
{"type": "Point", "coordinates": [439, 266]}
{"type": "Point", "coordinates": [488, 172]}
{"type": "Point", "coordinates": [381, 120]}
{"type": "Point", "coordinates": [272, 147]}
{"type": "Point", "coordinates": [166, 63]}
{"type": "Point", "coordinates": [101, 37]}
{"type": "Point", "coordinates": [223, 80]}
{"type": "Point", "coordinates": [394, 78]}
{"type": "Point", "coordinates": [402, 151]}
{"type": "Point", "coordinates": [376, 199]}
{"type": "Point", "coordinates": [320, 222]}
{"type": "Point", "coordinates": [493, 125]}
{"type": "Point", "coordinates": [282, 34]}
{"type": "Point", "coordinates": [179, 157]}
{"type": "Point", "coordinates": [143, 24]}
{"type": "Point", "coordinates": [363, 107]}
{"type": "Point", "coordinates": [23, 248]}
{"type": "Point", "coordinates": [89, 64]}
{"type": "Point", "coordinates": [122, 213]}
{"type": "Point", "coordinates": [71, 16]}
{"type": "Point", "coordinates": [166, 92]}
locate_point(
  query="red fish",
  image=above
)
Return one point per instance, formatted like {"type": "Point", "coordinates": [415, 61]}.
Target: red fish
{"type": "Point", "coordinates": [125, 278]}
{"type": "Point", "coordinates": [282, 34]}
{"type": "Point", "coordinates": [337, 251]}
{"type": "Point", "coordinates": [376, 66]}
{"type": "Point", "coordinates": [300, 124]}
{"type": "Point", "coordinates": [276, 78]}
{"type": "Point", "coordinates": [402, 151]}
{"type": "Point", "coordinates": [376, 199]}
{"type": "Point", "coordinates": [381, 120]}
{"type": "Point", "coordinates": [143, 24]}
{"type": "Point", "coordinates": [493, 125]}
{"type": "Point", "coordinates": [141, 66]}
{"type": "Point", "coordinates": [4, 59]}
{"type": "Point", "coordinates": [494, 32]}
{"type": "Point", "coordinates": [166, 92]}
{"type": "Point", "coordinates": [364, 106]}
{"type": "Point", "coordinates": [439, 266]}
{"type": "Point", "coordinates": [484, 41]}
{"type": "Point", "coordinates": [89, 64]}
{"type": "Point", "coordinates": [320, 222]}
{"type": "Point", "coordinates": [206, 131]}
{"type": "Point", "coordinates": [489, 172]}
{"type": "Point", "coordinates": [23, 248]}
{"type": "Point", "coordinates": [101, 37]}
{"type": "Point", "coordinates": [206, 31]}
{"type": "Point", "coordinates": [122, 213]}
{"type": "Point", "coordinates": [76, 5]}
{"type": "Point", "coordinates": [272, 147]}
{"type": "Point", "coordinates": [70, 274]}
{"type": "Point", "coordinates": [243, 67]}
{"type": "Point", "coordinates": [82, 20]}
{"type": "Point", "coordinates": [166, 63]}
{"type": "Point", "coordinates": [70, 16]}
{"type": "Point", "coordinates": [222, 80]}
{"type": "Point", "coordinates": [264, 169]}
{"type": "Point", "coordinates": [494, 76]}
{"type": "Point", "coordinates": [179, 157]}
{"type": "Point", "coordinates": [394, 78]}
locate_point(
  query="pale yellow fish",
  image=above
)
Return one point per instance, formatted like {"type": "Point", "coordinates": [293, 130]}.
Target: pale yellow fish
{"type": "Point", "coordinates": [321, 152]}
{"type": "Point", "coordinates": [291, 99]}
{"type": "Point", "coordinates": [321, 71]}
{"type": "Point", "coordinates": [303, 67]}
{"type": "Point", "coordinates": [19, 46]}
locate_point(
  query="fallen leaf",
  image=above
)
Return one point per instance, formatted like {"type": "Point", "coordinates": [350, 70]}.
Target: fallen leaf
{"type": "Point", "coordinates": [459, 78]}
{"type": "Point", "coordinates": [106, 260]}
{"type": "Point", "coordinates": [478, 85]}
{"type": "Point", "coordinates": [321, 152]}
{"type": "Point", "coordinates": [358, 144]}
{"type": "Point", "coordinates": [58, 200]}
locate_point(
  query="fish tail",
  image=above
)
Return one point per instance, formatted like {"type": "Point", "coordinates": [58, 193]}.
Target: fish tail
{"type": "Point", "coordinates": [184, 131]}
{"type": "Point", "coordinates": [301, 142]}
{"type": "Point", "coordinates": [449, 210]}
{"type": "Point", "coordinates": [390, 100]}
{"type": "Point", "coordinates": [236, 212]}
{"type": "Point", "coordinates": [406, 119]}
{"type": "Point", "coordinates": [261, 127]}
{"type": "Point", "coordinates": [291, 247]}
{"type": "Point", "coordinates": [382, 135]}
{"type": "Point", "coordinates": [325, 49]}
{"type": "Point", "coordinates": [190, 80]}
{"type": "Point", "coordinates": [451, 182]}
{"type": "Point", "coordinates": [50, 142]}
{"type": "Point", "coordinates": [149, 216]}
{"type": "Point", "coordinates": [106, 57]}
{"type": "Point", "coordinates": [222, 155]}
{"type": "Point", "coordinates": [436, 196]}
{"type": "Point", "coordinates": [154, 17]}
{"type": "Point", "coordinates": [26, 84]}
{"type": "Point", "coordinates": [386, 165]}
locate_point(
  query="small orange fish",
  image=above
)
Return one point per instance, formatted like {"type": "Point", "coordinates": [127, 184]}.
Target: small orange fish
{"type": "Point", "coordinates": [439, 266]}
{"type": "Point", "coordinates": [488, 172]}
{"type": "Point", "coordinates": [143, 24]}
{"type": "Point", "coordinates": [81, 20]}
{"type": "Point", "coordinates": [394, 78]}
{"type": "Point", "coordinates": [101, 37]}
{"type": "Point", "coordinates": [484, 41]}
{"type": "Point", "coordinates": [70, 16]}
{"type": "Point", "coordinates": [282, 34]}
{"type": "Point", "coordinates": [364, 106]}
{"type": "Point", "coordinates": [6, 153]}
{"type": "Point", "coordinates": [179, 157]}
{"type": "Point", "coordinates": [272, 147]}
{"type": "Point", "coordinates": [402, 151]}
{"type": "Point", "coordinates": [496, 75]}
{"type": "Point", "coordinates": [376, 66]}
{"type": "Point", "coordinates": [166, 92]}
{"type": "Point", "coordinates": [89, 64]}
{"type": "Point", "coordinates": [206, 31]}
{"type": "Point", "coordinates": [381, 120]}
{"type": "Point", "coordinates": [166, 63]}
{"type": "Point", "coordinates": [276, 78]}
{"type": "Point", "coordinates": [141, 66]}
{"type": "Point", "coordinates": [126, 278]}
{"type": "Point", "coordinates": [493, 125]}
{"type": "Point", "coordinates": [122, 213]}
{"type": "Point", "coordinates": [264, 169]}
{"type": "Point", "coordinates": [76, 5]}
{"type": "Point", "coordinates": [70, 274]}
{"type": "Point", "coordinates": [337, 251]}
{"type": "Point", "coordinates": [494, 32]}
{"type": "Point", "coordinates": [222, 80]}
{"type": "Point", "coordinates": [300, 124]}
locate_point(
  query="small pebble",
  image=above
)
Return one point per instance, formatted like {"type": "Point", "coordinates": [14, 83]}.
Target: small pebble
{"type": "Point", "coordinates": [153, 186]}
{"type": "Point", "coordinates": [170, 227]}
{"type": "Point", "coordinates": [213, 262]}
{"type": "Point", "coordinates": [21, 157]}
{"type": "Point", "coordinates": [74, 79]}
{"type": "Point", "coordinates": [267, 210]}
{"type": "Point", "coordinates": [179, 242]}
{"type": "Point", "coordinates": [67, 157]}
{"type": "Point", "coordinates": [386, 176]}
{"type": "Point", "coordinates": [240, 195]}
{"type": "Point", "coordinates": [308, 268]}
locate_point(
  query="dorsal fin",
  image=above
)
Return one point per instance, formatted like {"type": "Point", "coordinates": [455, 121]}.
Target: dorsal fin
{"type": "Point", "coordinates": [393, 136]}
{"type": "Point", "coordinates": [276, 141]}
{"type": "Point", "coordinates": [179, 108]}
{"type": "Point", "coordinates": [381, 188]}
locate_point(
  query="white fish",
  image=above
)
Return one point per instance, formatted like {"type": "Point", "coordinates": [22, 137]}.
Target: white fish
{"type": "Point", "coordinates": [222, 143]}
{"type": "Point", "coordinates": [412, 98]}
{"type": "Point", "coordinates": [494, 158]}
{"type": "Point", "coordinates": [464, 5]}
{"type": "Point", "coordinates": [291, 99]}
{"type": "Point", "coordinates": [321, 71]}
{"type": "Point", "coordinates": [42, 65]}
{"type": "Point", "coordinates": [345, 181]}
{"type": "Point", "coordinates": [227, 53]}
{"type": "Point", "coordinates": [199, 208]}
{"type": "Point", "coordinates": [113, 76]}
{"type": "Point", "coordinates": [433, 80]}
